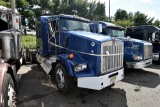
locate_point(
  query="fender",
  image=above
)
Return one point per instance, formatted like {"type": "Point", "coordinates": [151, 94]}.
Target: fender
{"type": "Point", "coordinates": [5, 68]}
{"type": "Point", "coordinates": [63, 58]}
{"type": "Point", "coordinates": [69, 64]}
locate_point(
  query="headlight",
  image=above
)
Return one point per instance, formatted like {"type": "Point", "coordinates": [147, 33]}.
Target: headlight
{"type": "Point", "coordinates": [80, 67]}
{"type": "Point", "coordinates": [137, 57]}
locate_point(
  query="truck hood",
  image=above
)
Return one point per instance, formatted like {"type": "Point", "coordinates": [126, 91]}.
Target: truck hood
{"type": "Point", "coordinates": [91, 36]}
{"type": "Point", "coordinates": [133, 47]}
{"type": "Point", "coordinates": [133, 40]}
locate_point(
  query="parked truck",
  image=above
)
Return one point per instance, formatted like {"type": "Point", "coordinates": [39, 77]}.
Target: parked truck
{"type": "Point", "coordinates": [137, 53]}
{"type": "Point", "coordinates": [10, 54]}
{"type": "Point", "coordinates": [147, 33]}
{"type": "Point", "coordinates": [70, 53]}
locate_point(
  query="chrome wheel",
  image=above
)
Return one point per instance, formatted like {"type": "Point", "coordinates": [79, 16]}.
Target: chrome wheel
{"type": "Point", "coordinates": [60, 78]}
{"type": "Point", "coordinates": [11, 96]}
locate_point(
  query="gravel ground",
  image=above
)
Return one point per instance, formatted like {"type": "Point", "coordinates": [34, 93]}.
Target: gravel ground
{"type": "Point", "coordinates": [139, 88]}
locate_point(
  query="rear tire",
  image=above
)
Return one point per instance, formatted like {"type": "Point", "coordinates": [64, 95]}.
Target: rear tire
{"type": "Point", "coordinates": [62, 80]}
{"type": "Point", "coordinates": [9, 92]}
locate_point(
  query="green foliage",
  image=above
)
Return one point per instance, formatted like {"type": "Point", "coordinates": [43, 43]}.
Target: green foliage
{"type": "Point", "coordinates": [142, 19]}
{"type": "Point", "coordinates": [124, 19]}
{"type": "Point", "coordinates": [157, 23]}
{"type": "Point", "coordinates": [3, 3]}
{"type": "Point", "coordinates": [92, 10]}
{"type": "Point", "coordinates": [29, 41]}
{"type": "Point", "coordinates": [121, 15]}
{"type": "Point", "coordinates": [124, 23]}
{"type": "Point", "coordinates": [99, 13]}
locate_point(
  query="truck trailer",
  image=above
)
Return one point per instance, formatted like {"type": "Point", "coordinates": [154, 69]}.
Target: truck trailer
{"type": "Point", "coordinates": [70, 53]}
{"type": "Point", "coordinates": [137, 53]}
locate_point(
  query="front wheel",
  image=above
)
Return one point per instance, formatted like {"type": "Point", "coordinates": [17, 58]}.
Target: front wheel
{"type": "Point", "coordinates": [9, 92]}
{"type": "Point", "coordinates": [62, 80]}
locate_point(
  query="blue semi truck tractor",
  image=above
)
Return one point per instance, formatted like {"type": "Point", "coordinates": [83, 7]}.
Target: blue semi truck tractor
{"type": "Point", "coordinates": [69, 52]}
{"type": "Point", "coordinates": [147, 33]}
{"type": "Point", "coordinates": [137, 53]}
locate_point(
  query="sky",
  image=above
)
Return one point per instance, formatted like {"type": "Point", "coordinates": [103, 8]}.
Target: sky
{"type": "Point", "coordinates": [148, 7]}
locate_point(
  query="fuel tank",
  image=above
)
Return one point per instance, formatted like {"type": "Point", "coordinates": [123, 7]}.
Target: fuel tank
{"type": "Point", "coordinates": [7, 45]}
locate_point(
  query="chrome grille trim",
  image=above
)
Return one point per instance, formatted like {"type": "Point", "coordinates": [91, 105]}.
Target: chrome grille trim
{"type": "Point", "coordinates": [148, 51]}
{"type": "Point", "coordinates": [114, 60]}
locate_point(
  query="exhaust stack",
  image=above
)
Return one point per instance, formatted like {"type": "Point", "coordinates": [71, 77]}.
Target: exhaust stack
{"type": "Point", "coordinates": [13, 6]}
{"type": "Point", "coordinates": [15, 33]}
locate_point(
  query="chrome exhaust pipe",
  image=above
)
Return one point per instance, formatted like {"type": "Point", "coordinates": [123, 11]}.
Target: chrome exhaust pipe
{"type": "Point", "coordinates": [15, 35]}
{"type": "Point", "coordinates": [13, 6]}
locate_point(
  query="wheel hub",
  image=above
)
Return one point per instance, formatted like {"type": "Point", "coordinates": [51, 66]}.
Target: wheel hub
{"type": "Point", "coordinates": [11, 96]}
{"type": "Point", "coordinates": [60, 78]}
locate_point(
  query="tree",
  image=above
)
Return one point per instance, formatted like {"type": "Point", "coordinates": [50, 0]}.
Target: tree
{"type": "Point", "coordinates": [142, 19]}
{"type": "Point", "coordinates": [124, 23]}
{"type": "Point", "coordinates": [121, 15]}
{"type": "Point", "coordinates": [130, 16]}
{"type": "Point", "coordinates": [157, 23]}
{"type": "Point", "coordinates": [99, 11]}
{"type": "Point", "coordinates": [92, 10]}
{"type": "Point", "coordinates": [5, 3]}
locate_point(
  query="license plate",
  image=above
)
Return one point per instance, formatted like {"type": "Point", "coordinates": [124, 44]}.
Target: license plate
{"type": "Point", "coordinates": [112, 79]}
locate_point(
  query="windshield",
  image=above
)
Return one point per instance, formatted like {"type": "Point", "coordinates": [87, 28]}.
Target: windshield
{"type": "Point", "coordinates": [154, 37]}
{"type": "Point", "coordinates": [115, 32]}
{"type": "Point", "coordinates": [71, 25]}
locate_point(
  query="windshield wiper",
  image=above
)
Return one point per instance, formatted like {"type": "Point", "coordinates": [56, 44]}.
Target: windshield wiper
{"type": "Point", "coordinates": [79, 29]}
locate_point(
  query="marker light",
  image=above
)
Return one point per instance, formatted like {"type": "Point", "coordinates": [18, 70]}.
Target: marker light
{"type": "Point", "coordinates": [71, 56]}
{"type": "Point", "coordinates": [16, 20]}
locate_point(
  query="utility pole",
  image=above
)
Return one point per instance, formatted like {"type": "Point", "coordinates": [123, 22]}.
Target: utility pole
{"type": "Point", "coordinates": [109, 12]}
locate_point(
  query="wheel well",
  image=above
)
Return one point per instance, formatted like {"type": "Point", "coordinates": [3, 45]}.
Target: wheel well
{"type": "Point", "coordinates": [10, 71]}
{"type": "Point", "coordinates": [53, 67]}
{"type": "Point", "coordinates": [51, 73]}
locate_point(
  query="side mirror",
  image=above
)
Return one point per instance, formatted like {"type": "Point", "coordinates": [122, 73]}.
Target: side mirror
{"type": "Point", "coordinates": [99, 28]}
{"type": "Point", "coordinates": [153, 36]}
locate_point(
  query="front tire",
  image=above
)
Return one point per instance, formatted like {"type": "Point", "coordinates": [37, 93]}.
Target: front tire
{"type": "Point", "coordinates": [62, 80]}
{"type": "Point", "coordinates": [9, 92]}
{"type": "Point", "coordinates": [23, 60]}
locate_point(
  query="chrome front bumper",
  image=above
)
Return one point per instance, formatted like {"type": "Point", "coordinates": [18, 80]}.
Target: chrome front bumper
{"type": "Point", "coordinates": [100, 82]}
{"type": "Point", "coordinates": [156, 56]}
{"type": "Point", "coordinates": [138, 65]}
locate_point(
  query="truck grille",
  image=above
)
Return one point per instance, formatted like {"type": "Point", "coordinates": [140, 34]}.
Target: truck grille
{"type": "Point", "coordinates": [114, 60]}
{"type": "Point", "coordinates": [147, 51]}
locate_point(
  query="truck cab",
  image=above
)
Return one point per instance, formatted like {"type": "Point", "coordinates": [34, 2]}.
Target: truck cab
{"type": "Point", "coordinates": [137, 53]}
{"type": "Point", "coordinates": [69, 52]}
{"type": "Point", "coordinates": [11, 56]}
{"type": "Point", "coordinates": [147, 33]}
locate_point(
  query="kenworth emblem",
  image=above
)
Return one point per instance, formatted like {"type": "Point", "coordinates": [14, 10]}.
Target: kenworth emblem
{"type": "Point", "coordinates": [107, 53]}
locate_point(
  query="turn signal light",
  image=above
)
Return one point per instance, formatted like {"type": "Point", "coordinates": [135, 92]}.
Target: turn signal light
{"type": "Point", "coordinates": [71, 56]}
{"type": "Point", "coordinates": [16, 20]}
